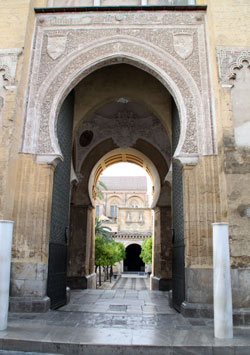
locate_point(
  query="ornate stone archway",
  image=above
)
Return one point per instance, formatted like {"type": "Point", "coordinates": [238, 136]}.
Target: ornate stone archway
{"type": "Point", "coordinates": [175, 55]}
{"type": "Point", "coordinates": [169, 45]}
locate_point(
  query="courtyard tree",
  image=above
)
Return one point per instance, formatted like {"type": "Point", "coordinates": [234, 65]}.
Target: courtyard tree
{"type": "Point", "coordinates": [100, 254]}
{"type": "Point", "coordinates": [102, 230]}
{"type": "Point", "coordinates": [118, 254]}
{"type": "Point", "coordinates": [146, 251]}
{"type": "Point", "coordinates": [107, 253]}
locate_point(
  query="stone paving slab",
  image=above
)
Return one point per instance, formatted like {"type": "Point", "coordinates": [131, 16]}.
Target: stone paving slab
{"type": "Point", "coordinates": [99, 325]}
{"type": "Point", "coordinates": [65, 340]}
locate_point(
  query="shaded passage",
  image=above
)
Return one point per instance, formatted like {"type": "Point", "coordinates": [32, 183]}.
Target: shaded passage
{"type": "Point", "coordinates": [133, 262]}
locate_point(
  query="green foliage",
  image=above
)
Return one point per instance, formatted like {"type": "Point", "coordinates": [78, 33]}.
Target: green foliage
{"type": "Point", "coordinates": [100, 243]}
{"type": "Point", "coordinates": [102, 230]}
{"type": "Point", "coordinates": [99, 186]}
{"type": "Point", "coordinates": [108, 252]}
{"type": "Point", "coordinates": [146, 251]}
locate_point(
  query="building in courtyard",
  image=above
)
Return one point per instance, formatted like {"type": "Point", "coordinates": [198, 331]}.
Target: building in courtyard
{"type": "Point", "coordinates": [165, 85]}
{"type": "Point", "coordinates": [125, 209]}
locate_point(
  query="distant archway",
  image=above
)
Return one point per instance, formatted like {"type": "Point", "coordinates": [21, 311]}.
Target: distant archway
{"type": "Point", "coordinates": [129, 155]}
{"type": "Point", "coordinates": [133, 262]}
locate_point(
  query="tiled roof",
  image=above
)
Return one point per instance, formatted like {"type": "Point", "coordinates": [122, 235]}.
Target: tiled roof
{"type": "Point", "coordinates": [128, 183]}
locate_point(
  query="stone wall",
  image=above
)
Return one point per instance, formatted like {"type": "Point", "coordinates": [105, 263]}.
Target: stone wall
{"type": "Point", "coordinates": [137, 220]}
{"type": "Point", "coordinates": [233, 59]}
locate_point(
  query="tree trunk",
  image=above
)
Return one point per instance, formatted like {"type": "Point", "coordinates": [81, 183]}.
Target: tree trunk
{"type": "Point", "coordinates": [100, 276]}
{"type": "Point", "coordinates": [111, 272]}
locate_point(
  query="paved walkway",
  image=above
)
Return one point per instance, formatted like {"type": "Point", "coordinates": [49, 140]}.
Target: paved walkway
{"type": "Point", "coordinates": [118, 322]}
{"type": "Point", "coordinates": [132, 282]}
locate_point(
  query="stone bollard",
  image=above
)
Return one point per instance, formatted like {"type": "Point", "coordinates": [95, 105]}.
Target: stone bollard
{"type": "Point", "coordinates": [6, 229]}
{"type": "Point", "coordinates": [223, 320]}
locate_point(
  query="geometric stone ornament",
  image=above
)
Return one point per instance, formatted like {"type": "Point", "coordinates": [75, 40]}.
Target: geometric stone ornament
{"type": "Point", "coordinates": [153, 41]}
{"type": "Point", "coordinates": [229, 59]}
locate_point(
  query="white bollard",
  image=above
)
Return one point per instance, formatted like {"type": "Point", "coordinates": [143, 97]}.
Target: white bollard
{"type": "Point", "coordinates": [6, 229]}
{"type": "Point", "coordinates": [223, 319]}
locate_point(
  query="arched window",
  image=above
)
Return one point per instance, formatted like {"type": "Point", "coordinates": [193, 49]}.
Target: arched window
{"type": "Point", "coordinates": [134, 203]}
{"type": "Point", "coordinates": [113, 211]}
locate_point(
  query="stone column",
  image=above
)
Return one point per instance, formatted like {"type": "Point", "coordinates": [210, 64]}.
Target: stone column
{"type": "Point", "coordinates": [81, 248]}
{"type": "Point", "coordinates": [223, 318]}
{"type": "Point", "coordinates": [32, 213]}
{"type": "Point", "coordinates": [92, 244]}
{"type": "Point", "coordinates": [203, 192]}
{"type": "Point", "coordinates": [161, 278]}
{"type": "Point", "coordinates": [6, 229]}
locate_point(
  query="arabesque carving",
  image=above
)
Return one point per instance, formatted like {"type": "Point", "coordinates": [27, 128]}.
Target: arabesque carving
{"type": "Point", "coordinates": [229, 59]}
{"type": "Point", "coordinates": [8, 64]}
{"type": "Point", "coordinates": [125, 128]}
{"type": "Point", "coordinates": [125, 123]}
{"type": "Point", "coordinates": [144, 40]}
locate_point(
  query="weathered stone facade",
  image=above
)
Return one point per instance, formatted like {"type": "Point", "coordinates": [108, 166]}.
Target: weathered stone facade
{"type": "Point", "coordinates": [197, 57]}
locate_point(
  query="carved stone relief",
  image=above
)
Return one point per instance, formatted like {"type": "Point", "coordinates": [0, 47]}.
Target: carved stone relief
{"type": "Point", "coordinates": [229, 59]}
{"type": "Point", "coordinates": [240, 95]}
{"type": "Point", "coordinates": [56, 46]}
{"type": "Point", "coordinates": [4, 80]}
{"type": "Point", "coordinates": [125, 127]}
{"type": "Point", "coordinates": [153, 42]}
{"type": "Point", "coordinates": [8, 64]}
{"type": "Point", "coordinates": [234, 72]}
{"type": "Point", "coordinates": [183, 44]}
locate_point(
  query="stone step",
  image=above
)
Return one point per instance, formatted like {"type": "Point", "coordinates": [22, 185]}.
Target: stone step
{"type": "Point", "coordinates": [21, 347]}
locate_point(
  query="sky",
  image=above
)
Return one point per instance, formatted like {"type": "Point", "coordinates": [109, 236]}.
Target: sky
{"type": "Point", "coordinates": [128, 169]}
{"type": "Point", "coordinates": [124, 169]}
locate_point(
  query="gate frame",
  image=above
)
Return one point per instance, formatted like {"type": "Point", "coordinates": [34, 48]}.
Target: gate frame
{"type": "Point", "coordinates": [51, 80]}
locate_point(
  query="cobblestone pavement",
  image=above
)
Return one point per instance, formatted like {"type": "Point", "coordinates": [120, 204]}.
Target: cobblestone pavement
{"type": "Point", "coordinates": [118, 321]}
